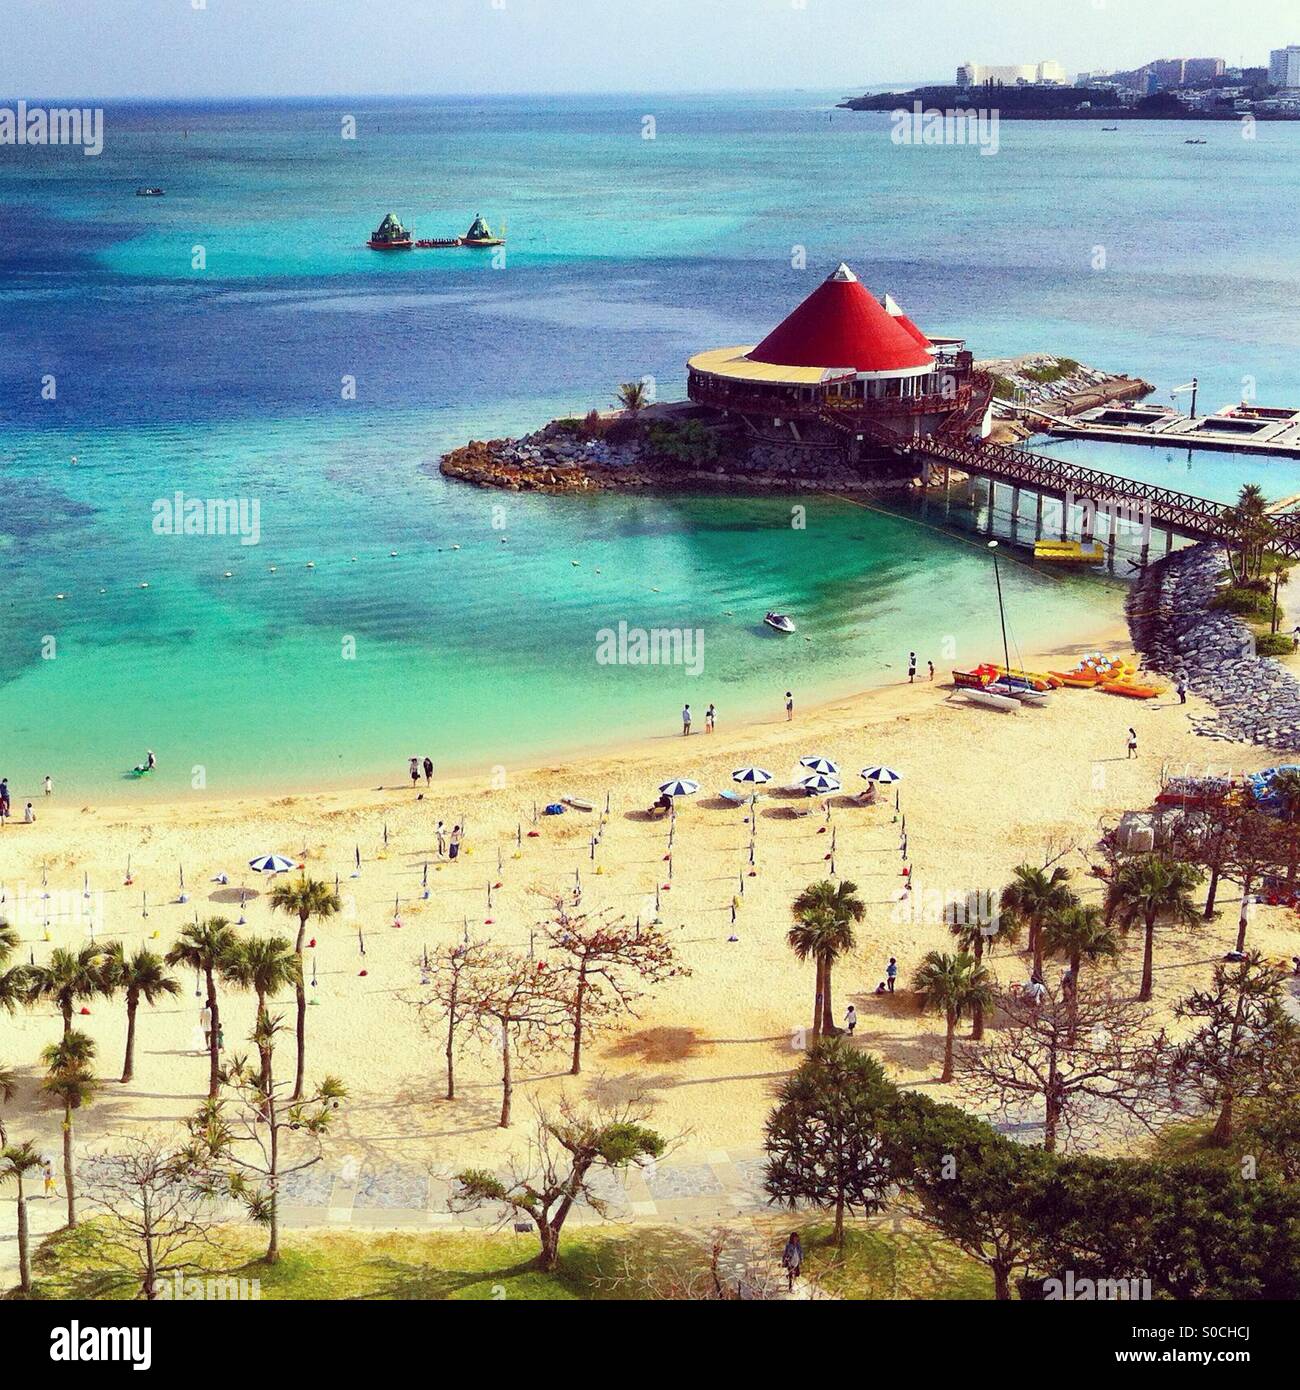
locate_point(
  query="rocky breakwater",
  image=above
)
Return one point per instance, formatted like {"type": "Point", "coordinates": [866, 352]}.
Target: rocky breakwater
{"type": "Point", "coordinates": [1178, 631]}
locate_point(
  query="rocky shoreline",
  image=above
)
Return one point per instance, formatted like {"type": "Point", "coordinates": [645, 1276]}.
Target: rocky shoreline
{"type": "Point", "coordinates": [1255, 698]}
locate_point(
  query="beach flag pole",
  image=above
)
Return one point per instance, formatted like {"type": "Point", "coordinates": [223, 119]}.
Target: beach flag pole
{"type": "Point", "coordinates": [129, 879]}
{"type": "Point", "coordinates": [397, 912]}
{"type": "Point", "coordinates": [742, 885]}
{"type": "Point", "coordinates": [144, 902]}
{"type": "Point", "coordinates": [356, 855]}
{"type": "Point", "coordinates": [85, 885]}
{"type": "Point", "coordinates": [593, 849]}
{"type": "Point", "coordinates": [489, 893]}
{"type": "Point", "coordinates": [361, 939]}
{"type": "Point", "coordinates": [424, 881]}
{"type": "Point", "coordinates": [184, 897]}
{"type": "Point", "coordinates": [242, 920]}
{"type": "Point", "coordinates": [519, 835]}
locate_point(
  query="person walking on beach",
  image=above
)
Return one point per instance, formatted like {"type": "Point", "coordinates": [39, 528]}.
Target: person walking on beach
{"type": "Point", "coordinates": [710, 715]}
{"type": "Point", "coordinates": [4, 798]}
{"type": "Point", "coordinates": [415, 772]}
{"type": "Point", "coordinates": [891, 973]}
{"type": "Point", "coordinates": [1132, 742]}
{"type": "Point", "coordinates": [792, 1260]}
{"type": "Point", "coordinates": [911, 668]}
{"type": "Point", "coordinates": [428, 772]}
{"type": "Point", "coordinates": [47, 1175]}
{"type": "Point", "coordinates": [930, 664]}
{"type": "Point", "coordinates": [686, 721]}
{"type": "Point", "coordinates": [457, 835]}
{"type": "Point", "coordinates": [850, 1020]}
{"type": "Point", "coordinates": [441, 833]}
{"type": "Point", "coordinates": [1181, 687]}
{"type": "Point", "coordinates": [789, 706]}
{"type": "Point", "coordinates": [49, 785]}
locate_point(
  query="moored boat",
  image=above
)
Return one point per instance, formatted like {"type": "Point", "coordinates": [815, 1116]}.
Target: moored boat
{"type": "Point", "coordinates": [150, 193]}
{"type": "Point", "coordinates": [1070, 552]}
{"type": "Point", "coordinates": [989, 699]}
{"type": "Point", "coordinates": [779, 622]}
{"type": "Point", "coordinates": [480, 234]}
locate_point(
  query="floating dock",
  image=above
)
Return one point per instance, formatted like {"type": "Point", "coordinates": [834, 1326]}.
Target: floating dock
{"type": "Point", "coordinates": [1243, 429]}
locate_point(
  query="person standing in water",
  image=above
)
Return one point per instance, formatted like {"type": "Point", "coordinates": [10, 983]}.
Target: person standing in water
{"type": "Point", "coordinates": [710, 715]}
{"type": "Point", "coordinates": [49, 785]}
{"type": "Point", "coordinates": [149, 760]}
{"type": "Point", "coordinates": [686, 721]}
{"type": "Point", "coordinates": [789, 705]}
{"type": "Point", "coordinates": [415, 772]}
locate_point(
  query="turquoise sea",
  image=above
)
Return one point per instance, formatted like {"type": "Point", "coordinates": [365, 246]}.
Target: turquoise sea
{"type": "Point", "coordinates": [475, 642]}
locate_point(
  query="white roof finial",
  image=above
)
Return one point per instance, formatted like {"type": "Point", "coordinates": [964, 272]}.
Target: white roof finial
{"type": "Point", "coordinates": [844, 275]}
{"type": "Point", "coordinates": [891, 307]}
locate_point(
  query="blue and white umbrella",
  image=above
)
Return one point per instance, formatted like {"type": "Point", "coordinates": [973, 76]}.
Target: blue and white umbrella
{"type": "Point", "coordinates": [884, 775]}
{"type": "Point", "coordinates": [680, 787]}
{"type": "Point", "coordinates": [272, 864]}
{"type": "Point", "coordinates": [757, 775]}
{"type": "Point", "coordinates": [819, 782]}
{"type": "Point", "coordinates": [822, 765]}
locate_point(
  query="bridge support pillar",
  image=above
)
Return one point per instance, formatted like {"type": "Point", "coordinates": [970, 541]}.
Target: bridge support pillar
{"type": "Point", "coordinates": [1110, 547]}
{"type": "Point", "coordinates": [1038, 516]}
{"type": "Point", "coordinates": [988, 513]}
{"type": "Point", "coordinates": [1145, 558]}
{"type": "Point", "coordinates": [1015, 513]}
{"type": "Point", "coordinates": [1169, 542]}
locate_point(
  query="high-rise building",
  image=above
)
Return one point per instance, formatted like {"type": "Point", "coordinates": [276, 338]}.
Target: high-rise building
{"type": "Point", "coordinates": [1284, 66]}
{"type": "Point", "coordinates": [1050, 73]}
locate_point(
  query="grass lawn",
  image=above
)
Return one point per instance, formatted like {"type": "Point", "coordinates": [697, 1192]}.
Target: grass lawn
{"type": "Point", "coordinates": [880, 1262]}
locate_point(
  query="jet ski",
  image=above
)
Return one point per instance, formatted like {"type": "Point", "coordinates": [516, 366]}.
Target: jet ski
{"type": "Point", "coordinates": [778, 622]}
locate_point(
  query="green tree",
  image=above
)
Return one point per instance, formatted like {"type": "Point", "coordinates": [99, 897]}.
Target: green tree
{"type": "Point", "coordinates": [70, 1082]}
{"type": "Point", "coordinates": [1031, 897]}
{"type": "Point", "coordinates": [974, 931]}
{"type": "Point", "coordinates": [208, 947]}
{"type": "Point", "coordinates": [1079, 933]}
{"type": "Point", "coordinates": [824, 1137]}
{"type": "Point", "coordinates": [141, 977]}
{"type": "Point", "coordinates": [266, 965]}
{"type": "Point", "coordinates": [70, 978]}
{"type": "Point", "coordinates": [1153, 889]}
{"type": "Point", "coordinates": [1245, 1047]}
{"type": "Point", "coordinates": [16, 1162]}
{"type": "Point", "coordinates": [571, 1147]}
{"type": "Point", "coordinates": [952, 985]}
{"type": "Point", "coordinates": [633, 396]}
{"type": "Point", "coordinates": [1285, 785]}
{"type": "Point", "coordinates": [305, 899]}
{"type": "Point", "coordinates": [839, 907]}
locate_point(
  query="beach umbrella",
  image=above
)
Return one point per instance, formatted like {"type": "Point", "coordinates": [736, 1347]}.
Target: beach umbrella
{"type": "Point", "coordinates": [820, 783]}
{"type": "Point", "coordinates": [883, 775]}
{"type": "Point", "coordinates": [755, 775]}
{"type": "Point", "coordinates": [823, 765]}
{"type": "Point", "coordinates": [271, 864]}
{"type": "Point", "coordinates": [680, 786]}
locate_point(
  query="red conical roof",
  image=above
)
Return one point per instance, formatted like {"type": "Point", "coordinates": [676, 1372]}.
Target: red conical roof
{"type": "Point", "coordinates": [841, 325]}
{"type": "Point", "coordinates": [901, 319]}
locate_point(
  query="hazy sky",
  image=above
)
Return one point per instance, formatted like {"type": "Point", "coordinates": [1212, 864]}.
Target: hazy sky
{"type": "Point", "coordinates": [173, 48]}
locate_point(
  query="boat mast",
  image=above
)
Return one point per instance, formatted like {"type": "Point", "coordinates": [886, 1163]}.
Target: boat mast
{"type": "Point", "coordinates": [1002, 612]}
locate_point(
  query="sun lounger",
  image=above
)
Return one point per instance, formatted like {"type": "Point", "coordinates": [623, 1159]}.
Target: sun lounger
{"type": "Point", "coordinates": [577, 803]}
{"type": "Point", "coordinates": [738, 798]}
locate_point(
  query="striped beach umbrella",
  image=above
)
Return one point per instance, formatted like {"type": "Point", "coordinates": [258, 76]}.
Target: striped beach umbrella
{"type": "Point", "coordinates": [680, 786]}
{"type": "Point", "coordinates": [823, 765]}
{"type": "Point", "coordinates": [883, 775]}
{"type": "Point", "coordinates": [755, 775]}
{"type": "Point", "coordinates": [271, 864]}
{"type": "Point", "coordinates": [819, 783]}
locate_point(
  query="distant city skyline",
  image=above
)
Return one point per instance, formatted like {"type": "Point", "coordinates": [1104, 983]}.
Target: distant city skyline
{"type": "Point", "coordinates": [246, 48]}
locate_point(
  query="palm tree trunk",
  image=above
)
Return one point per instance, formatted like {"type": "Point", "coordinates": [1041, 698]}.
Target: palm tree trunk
{"type": "Point", "coordinates": [1076, 964]}
{"type": "Point", "coordinates": [24, 1256]}
{"type": "Point", "coordinates": [128, 1065]}
{"type": "Point", "coordinates": [817, 1004]}
{"type": "Point", "coordinates": [828, 1013]}
{"type": "Point", "coordinates": [839, 1220]}
{"type": "Point", "coordinates": [300, 993]}
{"type": "Point", "coordinates": [214, 1039]}
{"type": "Point", "coordinates": [1037, 934]}
{"type": "Point", "coordinates": [69, 1180]}
{"type": "Point", "coordinates": [1148, 950]}
{"type": "Point", "coordinates": [947, 1047]}
{"type": "Point", "coordinates": [977, 1013]}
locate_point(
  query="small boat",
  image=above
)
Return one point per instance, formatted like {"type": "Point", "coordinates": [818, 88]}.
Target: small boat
{"type": "Point", "coordinates": [1008, 687]}
{"type": "Point", "coordinates": [440, 244]}
{"type": "Point", "coordinates": [1070, 552]}
{"type": "Point", "coordinates": [1193, 142]}
{"type": "Point", "coordinates": [390, 235]}
{"type": "Point", "coordinates": [1110, 127]}
{"type": "Point", "coordinates": [150, 193]}
{"type": "Point", "coordinates": [480, 234]}
{"type": "Point", "coordinates": [989, 699]}
{"type": "Point", "coordinates": [778, 622]}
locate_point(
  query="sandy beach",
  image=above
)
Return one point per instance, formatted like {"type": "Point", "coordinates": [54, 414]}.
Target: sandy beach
{"type": "Point", "coordinates": [981, 792]}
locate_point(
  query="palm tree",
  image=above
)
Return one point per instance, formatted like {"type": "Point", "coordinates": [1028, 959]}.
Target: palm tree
{"type": "Point", "coordinates": [13, 990]}
{"type": "Point", "coordinates": [15, 1164]}
{"type": "Point", "coordinates": [1155, 889]}
{"type": "Point", "coordinates": [69, 978]}
{"type": "Point", "coordinates": [633, 396]}
{"type": "Point", "coordinates": [1247, 529]}
{"type": "Point", "coordinates": [208, 947]}
{"type": "Point", "coordinates": [70, 1081]}
{"type": "Point", "coordinates": [8, 1090]}
{"type": "Point", "coordinates": [1079, 933]}
{"type": "Point", "coordinates": [1031, 897]}
{"type": "Point", "coordinates": [266, 965]}
{"type": "Point", "coordinates": [305, 899]}
{"type": "Point", "coordinates": [951, 985]}
{"type": "Point", "coordinates": [840, 903]}
{"type": "Point", "coordinates": [974, 932]}
{"type": "Point", "coordinates": [142, 976]}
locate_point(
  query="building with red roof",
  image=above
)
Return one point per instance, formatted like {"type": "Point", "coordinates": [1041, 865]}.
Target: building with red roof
{"type": "Point", "coordinates": [844, 369]}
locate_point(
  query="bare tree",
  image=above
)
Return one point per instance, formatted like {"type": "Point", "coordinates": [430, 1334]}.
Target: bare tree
{"type": "Point", "coordinates": [448, 982]}
{"type": "Point", "coordinates": [1090, 1059]}
{"type": "Point", "coordinates": [569, 1146]}
{"type": "Point", "coordinates": [160, 1203]}
{"type": "Point", "coordinates": [730, 1266]}
{"type": "Point", "coordinates": [604, 960]}
{"type": "Point", "coordinates": [519, 1005]}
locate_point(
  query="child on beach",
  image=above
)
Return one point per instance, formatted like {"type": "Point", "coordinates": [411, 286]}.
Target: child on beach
{"type": "Point", "coordinates": [710, 715]}
{"type": "Point", "coordinates": [415, 772]}
{"type": "Point", "coordinates": [789, 706]}
{"type": "Point", "coordinates": [29, 814]}
{"type": "Point", "coordinates": [850, 1020]}
{"type": "Point", "coordinates": [792, 1259]}
{"type": "Point", "coordinates": [49, 785]}
{"type": "Point", "coordinates": [1132, 742]}
{"type": "Point", "coordinates": [891, 973]}
{"type": "Point", "coordinates": [911, 668]}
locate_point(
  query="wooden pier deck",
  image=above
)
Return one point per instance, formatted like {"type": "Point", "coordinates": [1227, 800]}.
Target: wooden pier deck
{"type": "Point", "coordinates": [1239, 429]}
